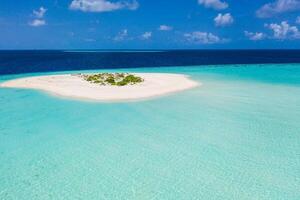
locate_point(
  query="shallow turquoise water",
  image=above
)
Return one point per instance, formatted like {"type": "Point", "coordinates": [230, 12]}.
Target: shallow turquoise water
{"type": "Point", "coordinates": [235, 137]}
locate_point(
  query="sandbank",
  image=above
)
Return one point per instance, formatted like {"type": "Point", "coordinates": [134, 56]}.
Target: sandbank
{"type": "Point", "coordinates": [73, 86]}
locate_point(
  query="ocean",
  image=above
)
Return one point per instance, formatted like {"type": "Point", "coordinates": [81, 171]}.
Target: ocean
{"type": "Point", "coordinates": [13, 62]}
{"type": "Point", "coordinates": [237, 136]}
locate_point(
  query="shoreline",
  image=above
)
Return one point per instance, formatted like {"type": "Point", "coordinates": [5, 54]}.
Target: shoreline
{"type": "Point", "coordinates": [74, 87]}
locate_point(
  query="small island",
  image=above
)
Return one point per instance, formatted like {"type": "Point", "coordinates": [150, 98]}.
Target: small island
{"type": "Point", "coordinates": [106, 86]}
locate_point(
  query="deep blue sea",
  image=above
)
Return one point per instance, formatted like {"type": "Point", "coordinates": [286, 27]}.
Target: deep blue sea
{"type": "Point", "coordinates": [12, 62]}
{"type": "Point", "coordinates": [236, 137]}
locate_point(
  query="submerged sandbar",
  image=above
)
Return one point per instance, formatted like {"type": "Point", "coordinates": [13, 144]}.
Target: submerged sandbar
{"type": "Point", "coordinates": [74, 86]}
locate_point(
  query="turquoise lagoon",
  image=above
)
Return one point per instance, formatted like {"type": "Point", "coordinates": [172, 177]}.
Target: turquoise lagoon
{"type": "Point", "coordinates": [235, 137]}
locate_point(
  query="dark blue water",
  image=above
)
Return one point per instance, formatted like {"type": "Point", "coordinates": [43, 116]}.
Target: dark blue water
{"type": "Point", "coordinates": [14, 62]}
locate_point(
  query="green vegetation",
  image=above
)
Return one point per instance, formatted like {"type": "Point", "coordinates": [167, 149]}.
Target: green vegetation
{"type": "Point", "coordinates": [117, 79]}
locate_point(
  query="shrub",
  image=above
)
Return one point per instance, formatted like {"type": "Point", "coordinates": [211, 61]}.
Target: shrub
{"type": "Point", "coordinates": [118, 79]}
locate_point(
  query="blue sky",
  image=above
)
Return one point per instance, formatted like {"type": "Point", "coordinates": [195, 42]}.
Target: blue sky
{"type": "Point", "coordinates": [149, 24]}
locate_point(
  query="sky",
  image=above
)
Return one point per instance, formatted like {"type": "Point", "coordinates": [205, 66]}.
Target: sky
{"type": "Point", "coordinates": [149, 24]}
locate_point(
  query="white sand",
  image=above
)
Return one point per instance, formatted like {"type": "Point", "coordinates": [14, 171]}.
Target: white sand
{"type": "Point", "coordinates": [73, 86]}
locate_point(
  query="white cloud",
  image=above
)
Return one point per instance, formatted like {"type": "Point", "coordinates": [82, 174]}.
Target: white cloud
{"type": "Point", "coordinates": [102, 5]}
{"type": "Point", "coordinates": [278, 7]}
{"type": "Point", "coordinates": [40, 12]}
{"type": "Point", "coordinates": [37, 22]}
{"type": "Point", "coordinates": [121, 35]}
{"type": "Point", "coordinates": [39, 15]}
{"type": "Point", "coordinates": [198, 37]}
{"type": "Point", "coordinates": [284, 31]}
{"type": "Point", "coordinates": [215, 4]}
{"type": "Point", "coordinates": [165, 28]}
{"type": "Point", "coordinates": [223, 20]}
{"type": "Point", "coordinates": [255, 36]}
{"type": "Point", "coordinates": [298, 20]}
{"type": "Point", "coordinates": [147, 35]}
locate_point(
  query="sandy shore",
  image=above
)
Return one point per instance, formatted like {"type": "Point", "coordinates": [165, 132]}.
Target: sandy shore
{"type": "Point", "coordinates": [72, 86]}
